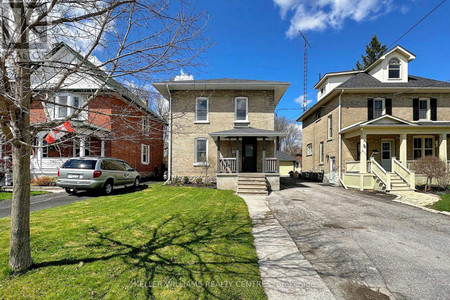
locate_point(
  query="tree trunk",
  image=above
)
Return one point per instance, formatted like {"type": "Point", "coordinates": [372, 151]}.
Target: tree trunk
{"type": "Point", "coordinates": [19, 251]}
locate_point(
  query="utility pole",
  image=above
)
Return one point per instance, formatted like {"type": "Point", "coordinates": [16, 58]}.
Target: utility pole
{"type": "Point", "coordinates": [305, 71]}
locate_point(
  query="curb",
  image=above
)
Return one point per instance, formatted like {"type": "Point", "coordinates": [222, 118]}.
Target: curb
{"type": "Point", "coordinates": [421, 207]}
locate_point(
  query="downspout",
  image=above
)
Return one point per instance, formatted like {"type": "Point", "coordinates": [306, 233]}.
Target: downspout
{"type": "Point", "coordinates": [340, 138]}
{"type": "Point", "coordinates": [169, 158]}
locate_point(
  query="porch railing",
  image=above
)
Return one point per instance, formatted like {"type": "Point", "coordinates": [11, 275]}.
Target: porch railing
{"type": "Point", "coordinates": [271, 165]}
{"type": "Point", "coordinates": [381, 173]}
{"type": "Point", "coordinates": [404, 173]}
{"type": "Point", "coordinates": [228, 165]}
{"type": "Point", "coordinates": [352, 166]}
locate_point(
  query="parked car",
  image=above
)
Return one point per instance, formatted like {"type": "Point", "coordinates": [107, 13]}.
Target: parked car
{"type": "Point", "coordinates": [96, 173]}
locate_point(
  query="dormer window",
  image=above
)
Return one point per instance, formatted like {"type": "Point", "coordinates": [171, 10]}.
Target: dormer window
{"type": "Point", "coordinates": [394, 68]}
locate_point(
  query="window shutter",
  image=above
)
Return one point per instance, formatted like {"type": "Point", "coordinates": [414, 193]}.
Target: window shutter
{"type": "Point", "coordinates": [388, 106]}
{"type": "Point", "coordinates": [416, 109]}
{"type": "Point", "coordinates": [370, 109]}
{"type": "Point", "coordinates": [433, 107]}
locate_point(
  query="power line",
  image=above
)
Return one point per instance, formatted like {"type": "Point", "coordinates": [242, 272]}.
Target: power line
{"type": "Point", "coordinates": [437, 6]}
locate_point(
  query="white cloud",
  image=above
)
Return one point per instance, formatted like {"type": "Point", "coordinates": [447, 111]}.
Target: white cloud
{"type": "Point", "coordinates": [321, 14]}
{"type": "Point", "coordinates": [299, 100]}
{"type": "Point", "coordinates": [183, 76]}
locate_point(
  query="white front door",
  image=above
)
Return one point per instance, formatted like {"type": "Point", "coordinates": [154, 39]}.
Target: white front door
{"type": "Point", "coordinates": [332, 170]}
{"type": "Point", "coordinates": [386, 155]}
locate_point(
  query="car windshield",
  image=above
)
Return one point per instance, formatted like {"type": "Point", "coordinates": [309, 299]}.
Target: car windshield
{"type": "Point", "coordinates": [79, 164]}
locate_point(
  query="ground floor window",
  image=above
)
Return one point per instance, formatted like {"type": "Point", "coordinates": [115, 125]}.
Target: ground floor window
{"type": "Point", "coordinates": [321, 153]}
{"type": "Point", "coordinates": [201, 151]}
{"type": "Point", "coordinates": [308, 149]}
{"type": "Point", "coordinates": [423, 146]}
{"type": "Point", "coordinates": [145, 154]}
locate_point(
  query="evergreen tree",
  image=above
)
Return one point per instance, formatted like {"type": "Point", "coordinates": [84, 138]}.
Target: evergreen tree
{"type": "Point", "coordinates": [373, 51]}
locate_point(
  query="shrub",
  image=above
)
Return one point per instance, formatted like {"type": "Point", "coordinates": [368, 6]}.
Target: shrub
{"type": "Point", "coordinates": [43, 181]}
{"type": "Point", "coordinates": [431, 167]}
{"type": "Point", "coordinates": [175, 180]}
{"type": "Point", "coordinates": [185, 180]}
{"type": "Point", "coordinates": [199, 180]}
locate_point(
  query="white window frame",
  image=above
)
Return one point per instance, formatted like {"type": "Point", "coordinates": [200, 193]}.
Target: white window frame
{"type": "Point", "coordinates": [207, 110]}
{"type": "Point", "coordinates": [197, 163]}
{"type": "Point", "coordinates": [383, 107]}
{"type": "Point", "coordinates": [321, 153]}
{"type": "Point", "coordinates": [428, 117]}
{"type": "Point", "coordinates": [399, 69]}
{"type": "Point", "coordinates": [423, 137]}
{"type": "Point", "coordinates": [69, 102]}
{"type": "Point", "coordinates": [235, 110]}
{"type": "Point", "coordinates": [309, 149]}
{"type": "Point", "coordinates": [330, 127]}
{"type": "Point", "coordinates": [145, 125]}
{"type": "Point", "coordinates": [145, 149]}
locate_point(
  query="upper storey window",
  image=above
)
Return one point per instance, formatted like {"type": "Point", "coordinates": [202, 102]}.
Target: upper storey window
{"type": "Point", "coordinates": [201, 109]}
{"type": "Point", "coordinates": [241, 109]}
{"type": "Point", "coordinates": [65, 105]}
{"type": "Point", "coordinates": [394, 68]}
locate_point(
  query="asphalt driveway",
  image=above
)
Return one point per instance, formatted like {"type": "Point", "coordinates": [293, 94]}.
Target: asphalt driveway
{"type": "Point", "coordinates": [58, 199]}
{"type": "Point", "coordinates": [365, 246]}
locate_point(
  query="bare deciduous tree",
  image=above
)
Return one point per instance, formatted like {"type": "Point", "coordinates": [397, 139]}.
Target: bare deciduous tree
{"type": "Point", "coordinates": [430, 166]}
{"type": "Point", "coordinates": [132, 40]}
{"type": "Point", "coordinates": [292, 143]}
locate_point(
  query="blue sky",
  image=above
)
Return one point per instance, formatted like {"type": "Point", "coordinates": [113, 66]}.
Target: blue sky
{"type": "Point", "coordinates": [253, 40]}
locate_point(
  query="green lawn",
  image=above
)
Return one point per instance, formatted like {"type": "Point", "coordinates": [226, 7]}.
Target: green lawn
{"type": "Point", "coordinates": [159, 243]}
{"type": "Point", "coordinates": [8, 195]}
{"type": "Point", "coordinates": [443, 204]}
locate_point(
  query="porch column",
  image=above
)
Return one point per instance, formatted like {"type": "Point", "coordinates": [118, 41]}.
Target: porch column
{"type": "Point", "coordinates": [102, 149]}
{"type": "Point", "coordinates": [276, 154]}
{"type": "Point", "coordinates": [237, 155]}
{"type": "Point", "coordinates": [403, 148]}
{"type": "Point", "coordinates": [443, 146]}
{"type": "Point", "coordinates": [82, 146]}
{"type": "Point", "coordinates": [363, 153]}
{"type": "Point", "coordinates": [40, 150]}
{"type": "Point", "coordinates": [218, 155]}
{"type": "Point", "coordinates": [264, 155]}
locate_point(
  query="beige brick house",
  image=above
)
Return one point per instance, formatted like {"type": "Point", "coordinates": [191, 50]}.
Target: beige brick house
{"type": "Point", "coordinates": [223, 129]}
{"type": "Point", "coordinates": [368, 126]}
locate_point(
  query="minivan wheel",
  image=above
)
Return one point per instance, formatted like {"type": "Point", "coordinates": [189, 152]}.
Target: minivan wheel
{"type": "Point", "coordinates": [70, 191]}
{"type": "Point", "coordinates": [136, 183]}
{"type": "Point", "coordinates": [108, 188]}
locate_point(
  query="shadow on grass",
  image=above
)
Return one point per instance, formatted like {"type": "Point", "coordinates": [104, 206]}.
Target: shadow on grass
{"type": "Point", "coordinates": [116, 191]}
{"type": "Point", "coordinates": [182, 251]}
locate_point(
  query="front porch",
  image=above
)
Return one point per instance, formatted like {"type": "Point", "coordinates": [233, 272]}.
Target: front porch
{"type": "Point", "coordinates": [47, 158]}
{"type": "Point", "coordinates": [244, 156]}
{"type": "Point", "coordinates": [380, 155]}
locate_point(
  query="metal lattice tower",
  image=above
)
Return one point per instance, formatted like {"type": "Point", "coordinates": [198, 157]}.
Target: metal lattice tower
{"type": "Point", "coordinates": [305, 71]}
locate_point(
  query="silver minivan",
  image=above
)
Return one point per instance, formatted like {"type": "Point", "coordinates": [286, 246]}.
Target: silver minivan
{"type": "Point", "coordinates": [96, 173]}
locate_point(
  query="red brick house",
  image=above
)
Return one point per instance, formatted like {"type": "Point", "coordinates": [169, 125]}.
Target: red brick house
{"type": "Point", "coordinates": [115, 124]}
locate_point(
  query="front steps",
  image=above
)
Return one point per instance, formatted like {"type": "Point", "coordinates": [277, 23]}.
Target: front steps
{"type": "Point", "coordinates": [252, 184]}
{"type": "Point", "coordinates": [398, 184]}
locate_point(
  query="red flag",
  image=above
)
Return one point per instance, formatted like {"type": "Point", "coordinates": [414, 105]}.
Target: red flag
{"type": "Point", "coordinates": [59, 132]}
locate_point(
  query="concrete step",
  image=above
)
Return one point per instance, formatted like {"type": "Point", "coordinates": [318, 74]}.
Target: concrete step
{"type": "Point", "coordinates": [252, 186]}
{"type": "Point", "coordinates": [251, 181]}
{"type": "Point", "coordinates": [253, 192]}
{"type": "Point", "coordinates": [404, 188]}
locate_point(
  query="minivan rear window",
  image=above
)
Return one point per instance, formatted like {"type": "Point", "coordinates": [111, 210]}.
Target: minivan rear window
{"type": "Point", "coordinates": [79, 164]}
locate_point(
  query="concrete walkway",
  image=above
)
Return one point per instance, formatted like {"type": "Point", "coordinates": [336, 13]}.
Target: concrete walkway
{"type": "Point", "coordinates": [285, 272]}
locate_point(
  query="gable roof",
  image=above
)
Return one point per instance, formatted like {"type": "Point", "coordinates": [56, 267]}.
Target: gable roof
{"type": "Point", "coordinates": [409, 55]}
{"type": "Point", "coordinates": [279, 87]}
{"type": "Point", "coordinates": [247, 131]}
{"type": "Point", "coordinates": [387, 120]}
{"type": "Point", "coordinates": [99, 75]}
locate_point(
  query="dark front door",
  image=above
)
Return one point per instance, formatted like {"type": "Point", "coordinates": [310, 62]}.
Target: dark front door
{"type": "Point", "coordinates": [249, 155]}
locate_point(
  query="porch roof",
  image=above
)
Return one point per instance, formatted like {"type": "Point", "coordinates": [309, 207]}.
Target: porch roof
{"type": "Point", "coordinates": [247, 132]}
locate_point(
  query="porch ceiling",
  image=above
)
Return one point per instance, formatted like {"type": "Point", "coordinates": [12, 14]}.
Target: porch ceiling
{"type": "Point", "coordinates": [247, 132]}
